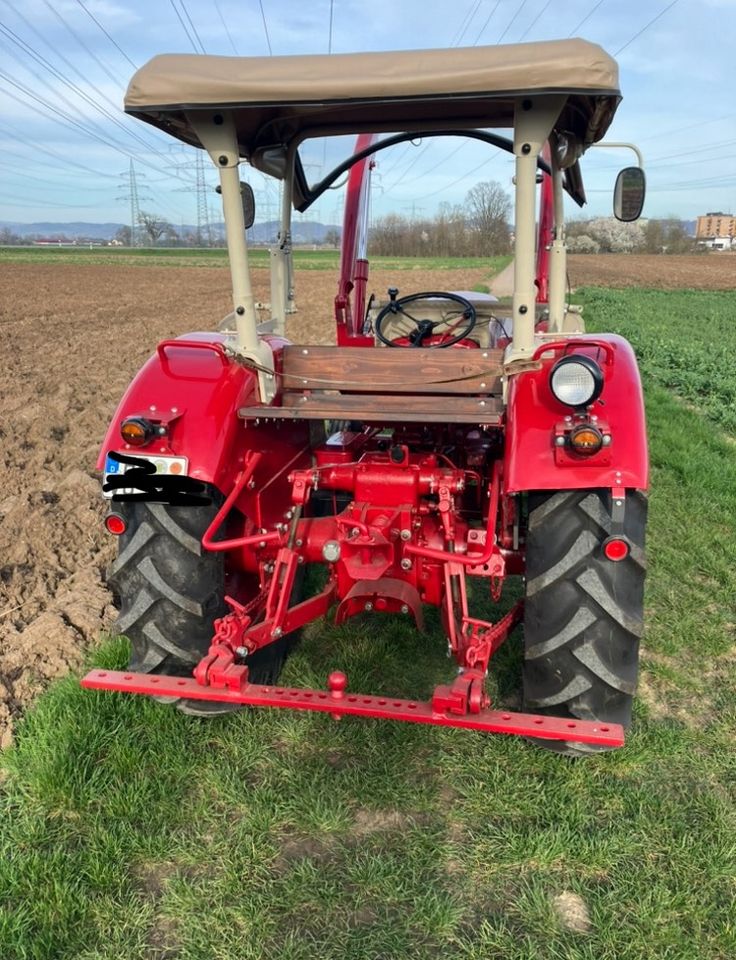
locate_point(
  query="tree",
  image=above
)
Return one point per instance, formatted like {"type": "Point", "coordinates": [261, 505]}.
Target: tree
{"type": "Point", "coordinates": [488, 207]}
{"type": "Point", "coordinates": [153, 226]}
{"type": "Point", "coordinates": [8, 238]}
{"type": "Point", "coordinates": [124, 236]}
{"type": "Point", "coordinates": [332, 237]}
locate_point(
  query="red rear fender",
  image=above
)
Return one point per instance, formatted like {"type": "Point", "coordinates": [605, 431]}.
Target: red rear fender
{"type": "Point", "coordinates": [534, 416]}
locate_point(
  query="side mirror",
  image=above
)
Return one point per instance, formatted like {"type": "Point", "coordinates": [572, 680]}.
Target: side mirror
{"type": "Point", "coordinates": [249, 204]}
{"type": "Point", "coordinates": [628, 194]}
{"type": "Point", "coordinates": [247, 198]}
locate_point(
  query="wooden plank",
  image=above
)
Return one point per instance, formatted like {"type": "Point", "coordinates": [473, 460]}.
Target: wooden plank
{"type": "Point", "coordinates": [383, 370]}
{"type": "Point", "coordinates": [382, 409]}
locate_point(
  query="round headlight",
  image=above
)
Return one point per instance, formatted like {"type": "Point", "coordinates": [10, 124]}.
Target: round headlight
{"type": "Point", "coordinates": [576, 380]}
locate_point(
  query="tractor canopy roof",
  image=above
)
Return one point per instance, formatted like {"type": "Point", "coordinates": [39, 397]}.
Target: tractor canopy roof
{"type": "Point", "coordinates": [274, 100]}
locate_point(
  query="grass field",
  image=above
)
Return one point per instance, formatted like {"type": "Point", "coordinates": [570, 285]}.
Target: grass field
{"type": "Point", "coordinates": [259, 257]}
{"type": "Point", "coordinates": [129, 831]}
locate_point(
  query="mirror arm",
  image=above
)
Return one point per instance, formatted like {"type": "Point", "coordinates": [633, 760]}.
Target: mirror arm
{"type": "Point", "coordinates": [618, 144]}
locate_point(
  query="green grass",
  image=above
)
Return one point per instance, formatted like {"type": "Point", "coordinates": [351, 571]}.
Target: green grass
{"type": "Point", "coordinates": [684, 340]}
{"type": "Point", "coordinates": [129, 831]}
{"type": "Point", "coordinates": [259, 257]}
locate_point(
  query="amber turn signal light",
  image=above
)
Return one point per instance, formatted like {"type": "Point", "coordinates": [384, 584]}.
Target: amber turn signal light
{"type": "Point", "coordinates": [136, 431]}
{"type": "Point", "coordinates": [586, 439]}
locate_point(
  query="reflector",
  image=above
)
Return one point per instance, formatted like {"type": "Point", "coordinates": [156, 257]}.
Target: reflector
{"type": "Point", "coordinates": [115, 524]}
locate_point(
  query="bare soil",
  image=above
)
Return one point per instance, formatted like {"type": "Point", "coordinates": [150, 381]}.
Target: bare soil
{"type": "Point", "coordinates": [72, 337]}
{"type": "Point", "coordinates": [699, 271]}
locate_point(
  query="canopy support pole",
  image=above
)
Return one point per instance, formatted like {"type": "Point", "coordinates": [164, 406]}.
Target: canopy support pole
{"type": "Point", "coordinates": [534, 118]}
{"type": "Point", "coordinates": [216, 133]}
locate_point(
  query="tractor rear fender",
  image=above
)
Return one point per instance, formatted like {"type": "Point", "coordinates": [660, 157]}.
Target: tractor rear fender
{"type": "Point", "coordinates": [196, 393]}
{"type": "Point", "coordinates": [535, 417]}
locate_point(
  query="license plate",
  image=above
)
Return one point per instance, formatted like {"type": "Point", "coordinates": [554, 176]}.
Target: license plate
{"type": "Point", "coordinates": [170, 466]}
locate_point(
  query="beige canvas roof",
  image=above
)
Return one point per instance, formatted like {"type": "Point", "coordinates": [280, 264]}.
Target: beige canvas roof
{"type": "Point", "coordinates": [276, 98]}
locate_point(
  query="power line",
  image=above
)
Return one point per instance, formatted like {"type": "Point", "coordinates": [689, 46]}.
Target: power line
{"type": "Point", "coordinates": [585, 19]}
{"type": "Point", "coordinates": [449, 186]}
{"type": "Point", "coordinates": [191, 24]}
{"type": "Point", "coordinates": [467, 20]}
{"type": "Point", "coordinates": [82, 44]}
{"type": "Point", "coordinates": [329, 41]}
{"type": "Point", "coordinates": [110, 38]}
{"type": "Point", "coordinates": [190, 38]}
{"type": "Point", "coordinates": [70, 66]}
{"type": "Point", "coordinates": [29, 51]}
{"type": "Point", "coordinates": [647, 26]}
{"type": "Point", "coordinates": [513, 20]}
{"type": "Point", "coordinates": [224, 23]}
{"type": "Point", "coordinates": [534, 21]}
{"type": "Point", "coordinates": [483, 28]}
{"type": "Point", "coordinates": [38, 148]}
{"type": "Point", "coordinates": [265, 28]}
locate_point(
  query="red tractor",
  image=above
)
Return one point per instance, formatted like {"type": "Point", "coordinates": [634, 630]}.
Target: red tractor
{"type": "Point", "coordinates": [444, 437]}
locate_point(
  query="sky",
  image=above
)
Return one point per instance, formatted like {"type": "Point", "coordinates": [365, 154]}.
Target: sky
{"type": "Point", "coordinates": [66, 147]}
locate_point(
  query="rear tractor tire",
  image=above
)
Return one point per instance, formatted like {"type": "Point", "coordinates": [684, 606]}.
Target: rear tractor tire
{"type": "Point", "coordinates": [171, 590]}
{"type": "Point", "coordinates": [583, 613]}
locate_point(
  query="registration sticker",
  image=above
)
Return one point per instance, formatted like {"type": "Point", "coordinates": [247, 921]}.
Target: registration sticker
{"type": "Point", "coordinates": [168, 466]}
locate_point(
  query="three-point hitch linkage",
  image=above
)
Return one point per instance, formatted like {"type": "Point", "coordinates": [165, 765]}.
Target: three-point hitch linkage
{"type": "Point", "coordinates": [400, 542]}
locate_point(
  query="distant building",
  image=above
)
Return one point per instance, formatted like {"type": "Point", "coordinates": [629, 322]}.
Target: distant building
{"type": "Point", "coordinates": [717, 227]}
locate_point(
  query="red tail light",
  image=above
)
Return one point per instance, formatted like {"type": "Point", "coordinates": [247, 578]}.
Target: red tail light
{"type": "Point", "coordinates": [115, 524]}
{"type": "Point", "coordinates": [615, 548]}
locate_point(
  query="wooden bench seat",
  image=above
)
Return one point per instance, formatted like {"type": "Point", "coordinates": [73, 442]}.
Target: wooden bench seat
{"type": "Point", "coordinates": [384, 384]}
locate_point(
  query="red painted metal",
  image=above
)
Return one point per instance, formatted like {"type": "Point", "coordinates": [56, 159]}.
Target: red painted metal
{"type": "Point", "coordinates": [350, 310]}
{"type": "Point", "coordinates": [533, 413]}
{"type": "Point", "coordinates": [338, 702]}
{"type": "Point", "coordinates": [545, 232]}
{"type": "Point", "coordinates": [196, 392]}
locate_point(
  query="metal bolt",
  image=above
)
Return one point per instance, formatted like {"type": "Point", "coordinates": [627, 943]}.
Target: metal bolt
{"type": "Point", "coordinates": [300, 543]}
{"type": "Point", "coordinates": [152, 408]}
{"type": "Point", "coordinates": [485, 354]}
{"type": "Point", "coordinates": [300, 559]}
{"type": "Point", "coordinates": [594, 419]}
{"type": "Point", "coordinates": [482, 386]}
{"type": "Point", "coordinates": [406, 564]}
{"type": "Point", "coordinates": [523, 308]}
{"type": "Point", "coordinates": [262, 543]}
{"type": "Point", "coordinates": [242, 651]}
{"type": "Point", "coordinates": [607, 440]}
{"type": "Point", "coordinates": [526, 148]}
{"type": "Point", "coordinates": [240, 311]}
{"type": "Point", "coordinates": [305, 352]}
{"type": "Point", "coordinates": [406, 534]}
{"type": "Point", "coordinates": [174, 409]}
{"type": "Point", "coordinates": [222, 160]}
{"type": "Point", "coordinates": [619, 502]}
{"type": "Point", "coordinates": [481, 403]}
{"type": "Point", "coordinates": [355, 532]}
{"type": "Point", "coordinates": [559, 441]}
{"type": "Point", "coordinates": [568, 419]}
{"type": "Point", "coordinates": [277, 632]}
{"type": "Point", "coordinates": [162, 449]}
{"type": "Point", "coordinates": [251, 484]}
{"type": "Point", "coordinates": [369, 606]}
{"type": "Point", "coordinates": [302, 400]}
{"type": "Point", "coordinates": [404, 608]}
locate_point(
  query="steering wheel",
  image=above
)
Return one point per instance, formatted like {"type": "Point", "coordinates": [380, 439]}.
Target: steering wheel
{"type": "Point", "coordinates": [460, 322]}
